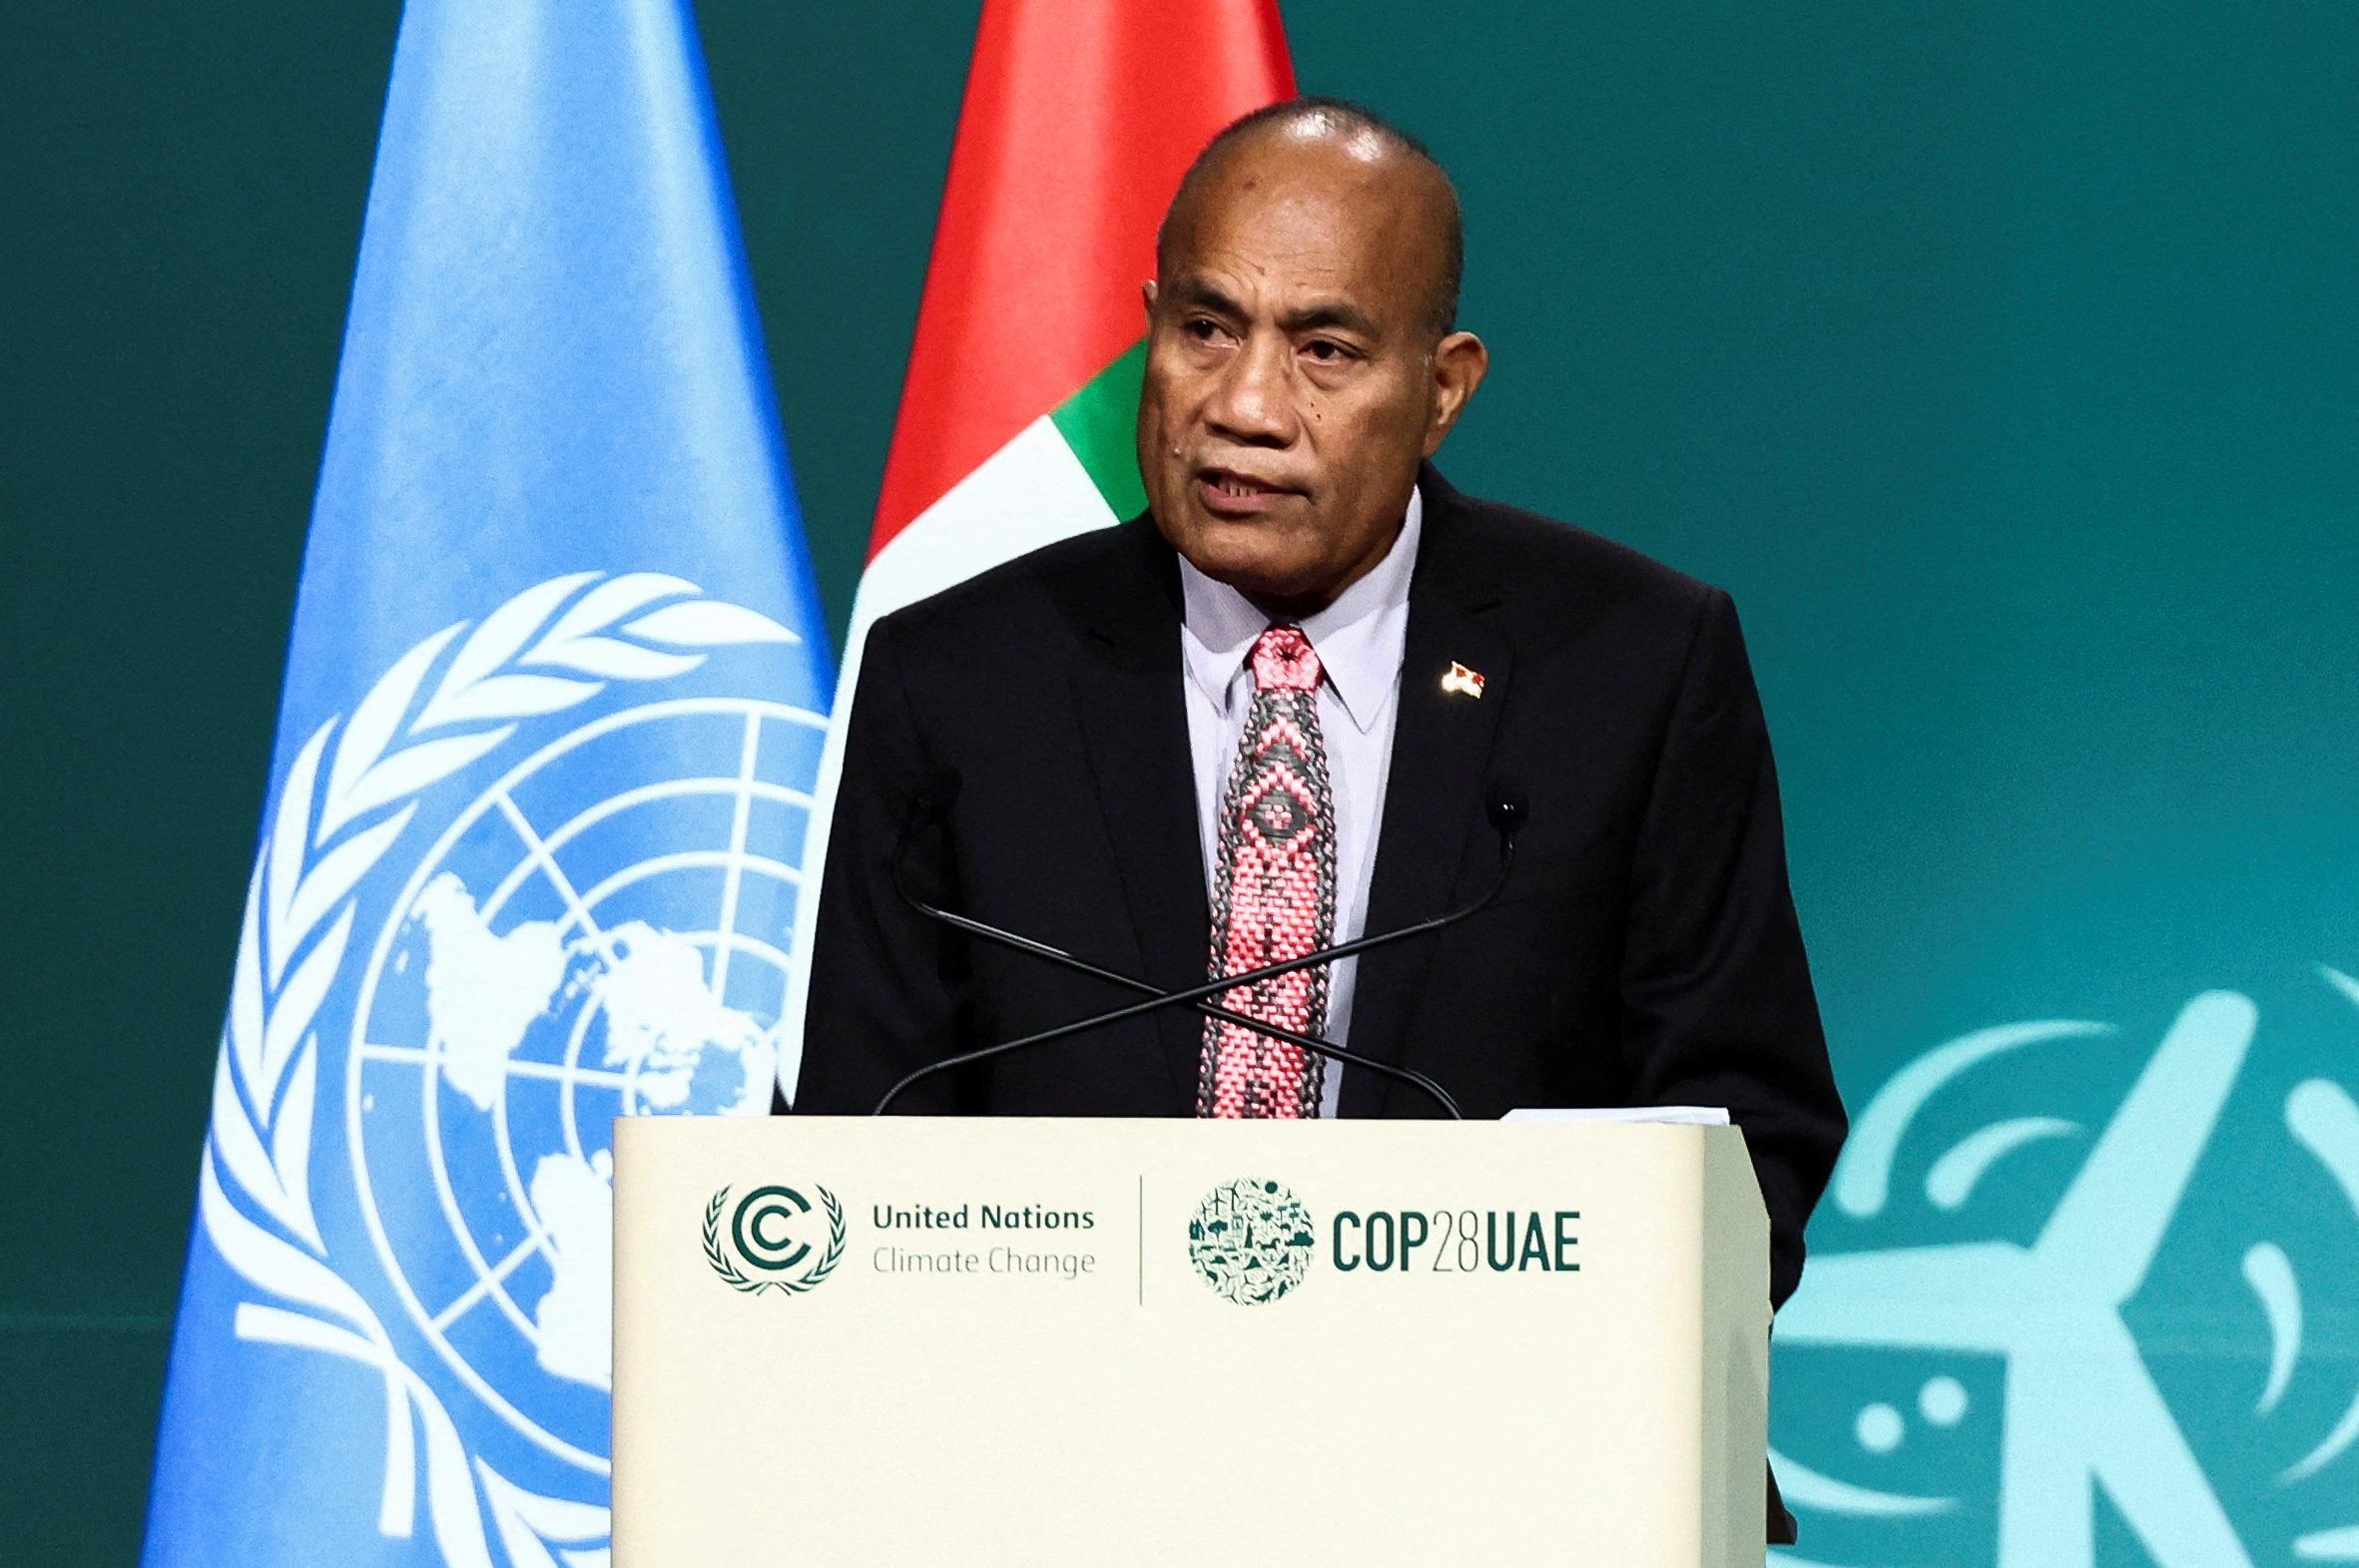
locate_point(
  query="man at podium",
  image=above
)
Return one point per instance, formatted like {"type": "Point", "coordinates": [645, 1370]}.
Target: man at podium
{"type": "Point", "coordinates": [1316, 694]}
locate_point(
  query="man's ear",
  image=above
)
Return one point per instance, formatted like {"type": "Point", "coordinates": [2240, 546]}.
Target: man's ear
{"type": "Point", "coordinates": [1460, 363]}
{"type": "Point", "coordinates": [1146, 292]}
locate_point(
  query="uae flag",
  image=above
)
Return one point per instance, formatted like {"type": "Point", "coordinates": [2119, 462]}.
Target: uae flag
{"type": "Point", "coordinates": [1018, 421]}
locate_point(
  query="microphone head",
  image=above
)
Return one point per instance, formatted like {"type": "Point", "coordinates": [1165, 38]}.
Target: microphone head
{"type": "Point", "coordinates": [1508, 806]}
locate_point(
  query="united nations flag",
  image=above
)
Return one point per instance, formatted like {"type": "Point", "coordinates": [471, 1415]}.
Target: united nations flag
{"type": "Point", "coordinates": [554, 700]}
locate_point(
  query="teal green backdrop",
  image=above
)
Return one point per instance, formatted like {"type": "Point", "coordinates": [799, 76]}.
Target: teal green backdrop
{"type": "Point", "coordinates": [2001, 360]}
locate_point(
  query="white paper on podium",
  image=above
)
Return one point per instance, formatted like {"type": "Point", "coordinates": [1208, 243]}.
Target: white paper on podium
{"type": "Point", "coordinates": [1676, 1115]}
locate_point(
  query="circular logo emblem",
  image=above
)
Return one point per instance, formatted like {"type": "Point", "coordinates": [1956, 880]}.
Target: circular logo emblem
{"type": "Point", "coordinates": [1251, 1241]}
{"type": "Point", "coordinates": [772, 1238]}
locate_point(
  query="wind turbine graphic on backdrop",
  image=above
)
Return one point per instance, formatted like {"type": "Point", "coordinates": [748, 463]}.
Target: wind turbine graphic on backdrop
{"type": "Point", "coordinates": [2082, 1408]}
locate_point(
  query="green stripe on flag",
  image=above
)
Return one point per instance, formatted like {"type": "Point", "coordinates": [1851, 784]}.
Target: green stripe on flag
{"type": "Point", "coordinates": [1100, 425]}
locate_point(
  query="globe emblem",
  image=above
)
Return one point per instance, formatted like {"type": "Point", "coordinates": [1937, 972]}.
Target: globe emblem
{"type": "Point", "coordinates": [1251, 1241]}
{"type": "Point", "coordinates": [599, 933]}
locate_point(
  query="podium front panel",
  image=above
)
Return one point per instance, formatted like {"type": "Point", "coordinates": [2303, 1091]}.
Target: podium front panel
{"type": "Point", "coordinates": [1000, 1340]}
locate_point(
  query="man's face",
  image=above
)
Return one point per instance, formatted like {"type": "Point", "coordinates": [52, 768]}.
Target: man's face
{"type": "Point", "coordinates": [1294, 379]}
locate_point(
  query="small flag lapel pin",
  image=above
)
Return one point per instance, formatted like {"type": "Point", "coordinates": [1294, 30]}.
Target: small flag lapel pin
{"type": "Point", "coordinates": [1462, 681]}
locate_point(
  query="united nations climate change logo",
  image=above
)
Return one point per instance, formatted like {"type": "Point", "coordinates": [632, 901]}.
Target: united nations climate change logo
{"type": "Point", "coordinates": [1251, 1241]}
{"type": "Point", "coordinates": [488, 932]}
{"type": "Point", "coordinates": [769, 1231]}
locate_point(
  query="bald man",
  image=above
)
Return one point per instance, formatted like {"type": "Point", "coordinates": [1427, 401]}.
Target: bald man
{"type": "Point", "coordinates": [1266, 717]}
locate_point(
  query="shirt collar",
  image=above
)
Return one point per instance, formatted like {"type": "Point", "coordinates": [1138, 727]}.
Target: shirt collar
{"type": "Point", "coordinates": [1359, 638]}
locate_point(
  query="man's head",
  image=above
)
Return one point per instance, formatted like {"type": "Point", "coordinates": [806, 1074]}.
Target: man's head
{"type": "Point", "coordinates": [1300, 357]}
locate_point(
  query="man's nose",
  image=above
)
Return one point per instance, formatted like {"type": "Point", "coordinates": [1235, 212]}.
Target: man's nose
{"type": "Point", "coordinates": [1253, 403]}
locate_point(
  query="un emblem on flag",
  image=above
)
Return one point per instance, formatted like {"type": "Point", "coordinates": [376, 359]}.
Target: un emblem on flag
{"type": "Point", "coordinates": [598, 934]}
{"type": "Point", "coordinates": [539, 875]}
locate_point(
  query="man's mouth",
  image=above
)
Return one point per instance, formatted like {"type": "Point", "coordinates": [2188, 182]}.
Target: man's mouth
{"type": "Point", "coordinates": [1226, 492]}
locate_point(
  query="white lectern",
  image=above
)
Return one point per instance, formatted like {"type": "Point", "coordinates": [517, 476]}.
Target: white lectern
{"type": "Point", "coordinates": [911, 1340]}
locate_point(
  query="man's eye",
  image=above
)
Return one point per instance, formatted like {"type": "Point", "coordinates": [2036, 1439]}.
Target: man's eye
{"type": "Point", "coordinates": [1202, 328]}
{"type": "Point", "coordinates": [1325, 352]}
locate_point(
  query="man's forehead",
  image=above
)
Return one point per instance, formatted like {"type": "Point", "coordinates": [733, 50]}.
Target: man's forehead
{"type": "Point", "coordinates": [1325, 171]}
{"type": "Point", "coordinates": [1282, 249]}
{"type": "Point", "coordinates": [1291, 243]}
{"type": "Point", "coordinates": [1285, 197]}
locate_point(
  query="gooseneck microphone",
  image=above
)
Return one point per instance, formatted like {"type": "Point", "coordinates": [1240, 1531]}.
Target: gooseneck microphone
{"type": "Point", "coordinates": [1058, 956]}
{"type": "Point", "coordinates": [1507, 808]}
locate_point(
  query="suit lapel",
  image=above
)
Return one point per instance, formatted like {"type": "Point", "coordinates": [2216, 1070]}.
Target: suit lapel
{"type": "Point", "coordinates": [1432, 813]}
{"type": "Point", "coordinates": [1135, 728]}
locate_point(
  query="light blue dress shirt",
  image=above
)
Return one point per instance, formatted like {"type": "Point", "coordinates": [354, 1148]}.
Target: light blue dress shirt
{"type": "Point", "coordinates": [1360, 640]}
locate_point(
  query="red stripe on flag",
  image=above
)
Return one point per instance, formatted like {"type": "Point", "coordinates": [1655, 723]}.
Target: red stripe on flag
{"type": "Point", "coordinates": [1080, 117]}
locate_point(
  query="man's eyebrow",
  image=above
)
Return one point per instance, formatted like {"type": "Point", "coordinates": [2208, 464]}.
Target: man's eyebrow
{"type": "Point", "coordinates": [1191, 291]}
{"type": "Point", "coordinates": [1329, 313]}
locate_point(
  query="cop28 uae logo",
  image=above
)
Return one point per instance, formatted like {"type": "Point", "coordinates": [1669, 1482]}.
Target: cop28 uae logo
{"type": "Point", "coordinates": [502, 899]}
{"type": "Point", "coordinates": [1251, 1241]}
{"type": "Point", "coordinates": [770, 1231]}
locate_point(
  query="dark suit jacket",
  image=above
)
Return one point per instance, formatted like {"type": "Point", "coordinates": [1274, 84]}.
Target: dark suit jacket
{"type": "Point", "coordinates": [1645, 953]}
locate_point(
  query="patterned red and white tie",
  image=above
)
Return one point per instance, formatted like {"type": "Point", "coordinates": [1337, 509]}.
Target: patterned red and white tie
{"type": "Point", "coordinates": [1273, 895]}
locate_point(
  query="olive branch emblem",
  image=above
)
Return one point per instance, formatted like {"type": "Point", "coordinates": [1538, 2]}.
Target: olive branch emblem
{"type": "Point", "coordinates": [727, 1267]}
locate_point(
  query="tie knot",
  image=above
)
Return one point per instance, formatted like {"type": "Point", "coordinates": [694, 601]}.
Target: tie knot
{"type": "Point", "coordinates": [1284, 661]}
